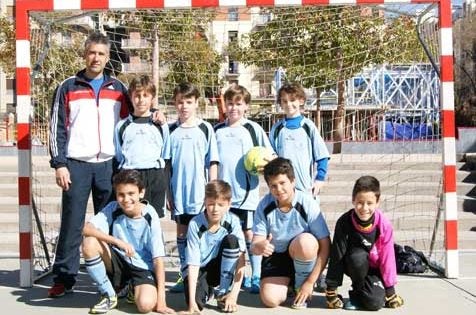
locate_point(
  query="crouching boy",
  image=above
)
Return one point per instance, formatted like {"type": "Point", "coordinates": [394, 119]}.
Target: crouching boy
{"type": "Point", "coordinates": [290, 232]}
{"type": "Point", "coordinates": [215, 252]}
{"type": "Point", "coordinates": [123, 244]}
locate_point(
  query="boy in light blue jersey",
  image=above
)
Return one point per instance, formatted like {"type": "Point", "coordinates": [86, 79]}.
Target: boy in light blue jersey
{"type": "Point", "coordinates": [123, 243]}
{"type": "Point", "coordinates": [193, 159]}
{"type": "Point", "coordinates": [215, 252]}
{"type": "Point", "coordinates": [141, 143]}
{"type": "Point", "coordinates": [290, 232]}
{"type": "Point", "coordinates": [297, 138]}
{"type": "Point", "coordinates": [235, 137]}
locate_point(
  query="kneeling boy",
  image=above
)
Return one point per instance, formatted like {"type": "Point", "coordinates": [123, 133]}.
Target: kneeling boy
{"type": "Point", "coordinates": [124, 242]}
{"type": "Point", "coordinates": [215, 252]}
{"type": "Point", "coordinates": [291, 233]}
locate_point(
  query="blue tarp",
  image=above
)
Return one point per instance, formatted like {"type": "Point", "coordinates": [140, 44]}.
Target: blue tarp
{"type": "Point", "coordinates": [406, 131]}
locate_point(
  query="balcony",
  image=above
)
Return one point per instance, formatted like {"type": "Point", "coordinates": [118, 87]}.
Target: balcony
{"type": "Point", "coordinates": [232, 72]}
{"type": "Point", "coordinates": [84, 21]}
{"type": "Point", "coordinates": [260, 20]}
{"type": "Point", "coordinates": [136, 66]}
{"type": "Point", "coordinates": [135, 43]}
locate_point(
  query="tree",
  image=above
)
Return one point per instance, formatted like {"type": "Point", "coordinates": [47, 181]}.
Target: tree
{"type": "Point", "coordinates": [323, 47]}
{"type": "Point", "coordinates": [52, 62]}
{"type": "Point", "coordinates": [184, 49]}
{"type": "Point", "coordinates": [7, 45]}
{"type": "Point", "coordinates": [465, 58]}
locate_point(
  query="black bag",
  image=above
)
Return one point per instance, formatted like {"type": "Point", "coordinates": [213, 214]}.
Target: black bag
{"type": "Point", "coordinates": [409, 260]}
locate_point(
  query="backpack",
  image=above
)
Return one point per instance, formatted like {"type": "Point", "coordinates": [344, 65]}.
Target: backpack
{"type": "Point", "coordinates": [409, 260]}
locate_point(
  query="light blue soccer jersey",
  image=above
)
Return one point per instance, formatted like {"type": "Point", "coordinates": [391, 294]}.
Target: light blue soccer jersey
{"type": "Point", "coordinates": [140, 144]}
{"type": "Point", "coordinates": [233, 143]}
{"type": "Point", "coordinates": [305, 216]}
{"type": "Point", "coordinates": [191, 151]}
{"type": "Point", "coordinates": [203, 246]}
{"type": "Point", "coordinates": [302, 147]}
{"type": "Point", "coordinates": [144, 233]}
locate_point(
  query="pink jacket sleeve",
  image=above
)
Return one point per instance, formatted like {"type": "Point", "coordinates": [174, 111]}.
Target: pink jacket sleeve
{"type": "Point", "coordinates": [386, 251]}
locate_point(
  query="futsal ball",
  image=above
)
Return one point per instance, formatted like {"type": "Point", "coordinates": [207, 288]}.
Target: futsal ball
{"type": "Point", "coordinates": [256, 158]}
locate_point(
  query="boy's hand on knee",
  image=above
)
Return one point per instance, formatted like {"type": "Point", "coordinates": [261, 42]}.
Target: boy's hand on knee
{"type": "Point", "coordinates": [334, 300]}
{"type": "Point", "coordinates": [393, 301]}
{"type": "Point", "coordinates": [126, 247]}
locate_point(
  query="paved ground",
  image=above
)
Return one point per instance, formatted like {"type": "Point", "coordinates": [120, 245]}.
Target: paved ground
{"type": "Point", "coordinates": [423, 294]}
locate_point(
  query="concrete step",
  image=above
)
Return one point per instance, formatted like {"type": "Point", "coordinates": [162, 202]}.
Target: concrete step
{"type": "Point", "coordinates": [377, 165]}
{"type": "Point", "coordinates": [466, 240]}
{"type": "Point", "coordinates": [50, 189]}
{"type": "Point", "coordinates": [43, 189]}
{"type": "Point", "coordinates": [387, 188]}
{"type": "Point", "coordinates": [384, 175]}
{"type": "Point", "coordinates": [329, 203]}
{"type": "Point", "coordinates": [401, 220]}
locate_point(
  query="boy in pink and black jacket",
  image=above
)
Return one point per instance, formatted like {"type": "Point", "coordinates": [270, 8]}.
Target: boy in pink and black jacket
{"type": "Point", "coordinates": [363, 249]}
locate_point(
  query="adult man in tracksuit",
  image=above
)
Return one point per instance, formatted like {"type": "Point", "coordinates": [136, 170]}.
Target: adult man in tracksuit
{"type": "Point", "coordinates": [85, 110]}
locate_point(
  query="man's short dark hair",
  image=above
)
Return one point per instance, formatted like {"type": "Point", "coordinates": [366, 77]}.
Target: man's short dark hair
{"type": "Point", "coordinates": [97, 38]}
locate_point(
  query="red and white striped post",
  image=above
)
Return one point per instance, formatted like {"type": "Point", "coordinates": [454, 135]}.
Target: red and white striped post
{"type": "Point", "coordinates": [23, 101]}
{"type": "Point", "coordinates": [449, 143]}
{"type": "Point", "coordinates": [24, 108]}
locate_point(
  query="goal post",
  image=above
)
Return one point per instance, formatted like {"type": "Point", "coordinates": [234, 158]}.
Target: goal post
{"type": "Point", "coordinates": [24, 101]}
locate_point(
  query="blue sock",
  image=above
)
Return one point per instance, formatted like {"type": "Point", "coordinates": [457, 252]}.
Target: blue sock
{"type": "Point", "coordinates": [255, 262]}
{"type": "Point", "coordinates": [229, 260]}
{"type": "Point", "coordinates": [181, 245]}
{"type": "Point", "coordinates": [97, 270]}
{"type": "Point", "coordinates": [302, 270]}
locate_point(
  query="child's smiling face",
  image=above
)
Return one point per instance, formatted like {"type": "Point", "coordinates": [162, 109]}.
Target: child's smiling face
{"type": "Point", "coordinates": [365, 203]}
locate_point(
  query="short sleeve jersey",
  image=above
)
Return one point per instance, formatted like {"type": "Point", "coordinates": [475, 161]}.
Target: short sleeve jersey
{"type": "Point", "coordinates": [203, 245]}
{"type": "Point", "coordinates": [144, 233]}
{"type": "Point", "coordinates": [191, 151]}
{"type": "Point", "coordinates": [140, 144]}
{"type": "Point", "coordinates": [302, 147]}
{"type": "Point", "coordinates": [304, 216]}
{"type": "Point", "coordinates": [233, 143]}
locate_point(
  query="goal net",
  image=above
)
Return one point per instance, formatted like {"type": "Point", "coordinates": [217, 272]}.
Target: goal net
{"type": "Point", "coordinates": [371, 74]}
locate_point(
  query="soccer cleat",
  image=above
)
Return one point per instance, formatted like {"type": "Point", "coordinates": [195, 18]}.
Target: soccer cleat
{"type": "Point", "coordinates": [349, 306]}
{"type": "Point", "coordinates": [334, 300]}
{"type": "Point", "coordinates": [179, 286]}
{"type": "Point", "coordinates": [255, 285]}
{"type": "Point", "coordinates": [105, 304]}
{"type": "Point", "coordinates": [246, 284]}
{"type": "Point", "coordinates": [58, 290]}
{"type": "Point", "coordinates": [393, 301]}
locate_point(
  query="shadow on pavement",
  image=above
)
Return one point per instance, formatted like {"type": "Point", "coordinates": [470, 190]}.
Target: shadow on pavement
{"type": "Point", "coordinates": [85, 295]}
